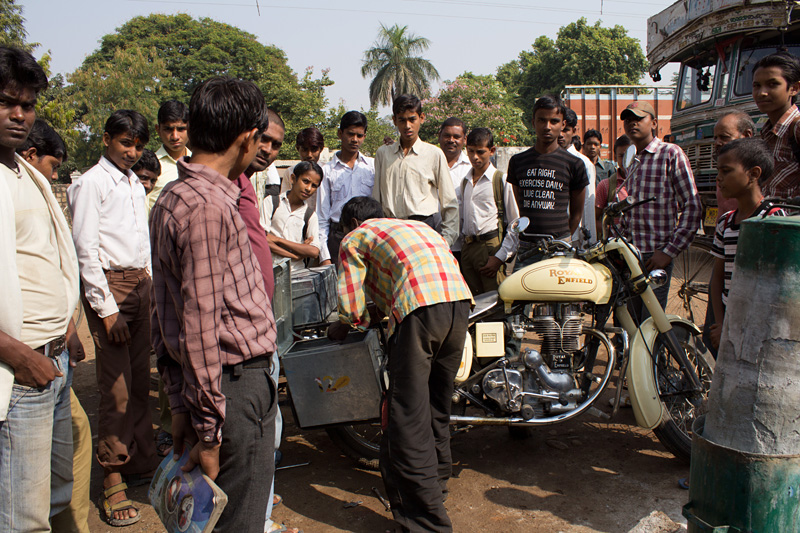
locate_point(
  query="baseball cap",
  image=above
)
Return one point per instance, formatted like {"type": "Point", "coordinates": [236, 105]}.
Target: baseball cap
{"type": "Point", "coordinates": [638, 108]}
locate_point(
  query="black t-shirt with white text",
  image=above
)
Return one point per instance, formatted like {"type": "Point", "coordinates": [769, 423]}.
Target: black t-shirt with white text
{"type": "Point", "coordinates": [545, 182]}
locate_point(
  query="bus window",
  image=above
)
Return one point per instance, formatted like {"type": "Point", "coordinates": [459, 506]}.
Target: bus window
{"type": "Point", "coordinates": [696, 85]}
{"type": "Point", "coordinates": [744, 70]}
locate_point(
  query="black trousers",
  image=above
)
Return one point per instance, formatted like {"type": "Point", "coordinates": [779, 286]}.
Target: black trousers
{"type": "Point", "coordinates": [247, 456]}
{"type": "Point", "coordinates": [424, 356]}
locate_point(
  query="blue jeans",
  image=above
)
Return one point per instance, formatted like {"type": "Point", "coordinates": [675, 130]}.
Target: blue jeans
{"type": "Point", "coordinates": [275, 374]}
{"type": "Point", "coordinates": [36, 454]}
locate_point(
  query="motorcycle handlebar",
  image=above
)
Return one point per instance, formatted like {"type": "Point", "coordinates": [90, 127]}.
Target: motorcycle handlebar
{"type": "Point", "coordinates": [616, 209]}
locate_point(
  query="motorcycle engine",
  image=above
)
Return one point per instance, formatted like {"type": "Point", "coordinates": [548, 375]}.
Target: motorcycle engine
{"type": "Point", "coordinates": [559, 325]}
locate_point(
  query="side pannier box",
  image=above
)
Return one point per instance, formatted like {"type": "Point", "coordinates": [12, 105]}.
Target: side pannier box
{"type": "Point", "coordinates": [314, 297]}
{"type": "Point", "coordinates": [282, 304]}
{"type": "Point", "coordinates": [333, 383]}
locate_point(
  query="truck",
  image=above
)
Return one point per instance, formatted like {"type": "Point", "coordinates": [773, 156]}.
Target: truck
{"type": "Point", "coordinates": [716, 43]}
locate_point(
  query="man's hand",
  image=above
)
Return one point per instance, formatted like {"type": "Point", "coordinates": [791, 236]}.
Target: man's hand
{"type": "Point", "coordinates": [325, 263]}
{"type": "Point", "coordinates": [183, 434]}
{"type": "Point", "coordinates": [35, 370]}
{"type": "Point", "coordinates": [338, 331]}
{"type": "Point", "coordinates": [658, 260]}
{"type": "Point", "coordinates": [207, 457]}
{"type": "Point", "coordinates": [491, 267]}
{"type": "Point", "coordinates": [117, 329]}
{"type": "Point", "coordinates": [715, 332]}
{"type": "Point", "coordinates": [74, 345]}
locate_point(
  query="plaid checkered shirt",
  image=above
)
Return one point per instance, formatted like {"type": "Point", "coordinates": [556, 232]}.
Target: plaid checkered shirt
{"type": "Point", "coordinates": [400, 265]}
{"type": "Point", "coordinates": [669, 223]}
{"type": "Point", "coordinates": [785, 179]}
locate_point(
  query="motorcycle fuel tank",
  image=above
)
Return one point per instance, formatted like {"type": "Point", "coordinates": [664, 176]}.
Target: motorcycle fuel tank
{"type": "Point", "coordinates": [559, 279]}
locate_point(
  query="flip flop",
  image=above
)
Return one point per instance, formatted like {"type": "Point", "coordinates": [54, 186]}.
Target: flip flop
{"type": "Point", "coordinates": [110, 508]}
{"type": "Point", "coordinates": [281, 528]}
{"type": "Point", "coordinates": [684, 483]}
{"type": "Point", "coordinates": [277, 499]}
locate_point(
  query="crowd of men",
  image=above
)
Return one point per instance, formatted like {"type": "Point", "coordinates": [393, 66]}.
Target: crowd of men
{"type": "Point", "coordinates": [172, 252]}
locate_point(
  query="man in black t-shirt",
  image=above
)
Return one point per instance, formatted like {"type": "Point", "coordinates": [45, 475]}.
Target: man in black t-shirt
{"type": "Point", "coordinates": [549, 183]}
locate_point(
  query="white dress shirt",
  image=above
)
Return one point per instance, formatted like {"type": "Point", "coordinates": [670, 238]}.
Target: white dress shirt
{"type": "Point", "coordinates": [340, 183]}
{"type": "Point", "coordinates": [458, 172]}
{"type": "Point", "coordinates": [588, 221]}
{"type": "Point", "coordinates": [480, 210]}
{"type": "Point", "coordinates": [169, 173]}
{"type": "Point", "coordinates": [109, 227]}
{"type": "Point", "coordinates": [288, 224]}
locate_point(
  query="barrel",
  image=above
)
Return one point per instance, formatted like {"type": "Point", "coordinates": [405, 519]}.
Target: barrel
{"type": "Point", "coordinates": [745, 466]}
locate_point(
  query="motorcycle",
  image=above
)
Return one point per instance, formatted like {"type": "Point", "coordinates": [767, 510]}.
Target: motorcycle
{"type": "Point", "coordinates": [542, 349]}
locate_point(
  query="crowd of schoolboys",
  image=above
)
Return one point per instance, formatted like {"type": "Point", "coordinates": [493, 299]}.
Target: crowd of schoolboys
{"type": "Point", "coordinates": [174, 253]}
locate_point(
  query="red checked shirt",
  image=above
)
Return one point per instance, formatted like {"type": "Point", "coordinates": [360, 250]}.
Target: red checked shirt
{"type": "Point", "coordinates": [210, 303]}
{"type": "Point", "coordinates": [400, 265]}
{"type": "Point", "coordinates": [785, 179]}
{"type": "Point", "coordinates": [669, 223]}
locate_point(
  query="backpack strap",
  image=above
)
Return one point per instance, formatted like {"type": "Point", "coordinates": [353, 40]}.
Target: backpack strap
{"type": "Point", "coordinates": [309, 213]}
{"type": "Point", "coordinates": [497, 187]}
{"type": "Point", "coordinates": [275, 203]}
{"type": "Point", "coordinates": [793, 139]}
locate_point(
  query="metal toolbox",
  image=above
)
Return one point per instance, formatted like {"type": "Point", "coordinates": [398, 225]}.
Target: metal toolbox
{"type": "Point", "coordinates": [333, 383]}
{"type": "Point", "coordinates": [314, 297]}
{"type": "Point", "coordinates": [282, 304]}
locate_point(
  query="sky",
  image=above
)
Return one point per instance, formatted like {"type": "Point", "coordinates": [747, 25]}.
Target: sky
{"type": "Point", "coordinates": [465, 35]}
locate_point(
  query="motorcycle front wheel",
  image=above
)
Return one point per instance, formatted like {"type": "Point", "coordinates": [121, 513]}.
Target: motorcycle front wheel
{"type": "Point", "coordinates": [681, 405]}
{"type": "Point", "coordinates": [359, 442]}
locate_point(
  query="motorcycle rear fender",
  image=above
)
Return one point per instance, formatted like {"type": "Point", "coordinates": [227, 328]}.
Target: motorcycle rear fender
{"type": "Point", "coordinates": [647, 407]}
{"type": "Point", "coordinates": [466, 361]}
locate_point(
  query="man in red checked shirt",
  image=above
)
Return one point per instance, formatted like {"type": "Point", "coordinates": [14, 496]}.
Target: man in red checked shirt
{"type": "Point", "coordinates": [663, 228]}
{"type": "Point", "coordinates": [407, 270]}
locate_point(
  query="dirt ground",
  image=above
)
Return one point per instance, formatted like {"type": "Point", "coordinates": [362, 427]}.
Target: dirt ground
{"type": "Point", "coordinates": [584, 476]}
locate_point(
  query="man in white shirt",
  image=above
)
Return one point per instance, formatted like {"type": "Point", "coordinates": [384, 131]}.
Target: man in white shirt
{"type": "Point", "coordinates": [488, 209]}
{"type": "Point", "coordinates": [39, 277]}
{"type": "Point", "coordinates": [452, 140]}
{"type": "Point", "coordinates": [109, 227]}
{"type": "Point", "coordinates": [588, 220]}
{"type": "Point", "coordinates": [173, 129]}
{"type": "Point", "coordinates": [349, 174]}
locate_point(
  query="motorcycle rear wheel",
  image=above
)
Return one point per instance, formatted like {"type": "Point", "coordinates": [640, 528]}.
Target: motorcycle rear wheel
{"type": "Point", "coordinates": [359, 442]}
{"type": "Point", "coordinates": [681, 407]}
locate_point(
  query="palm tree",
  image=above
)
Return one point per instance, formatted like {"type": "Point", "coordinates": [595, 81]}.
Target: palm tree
{"type": "Point", "coordinates": [396, 67]}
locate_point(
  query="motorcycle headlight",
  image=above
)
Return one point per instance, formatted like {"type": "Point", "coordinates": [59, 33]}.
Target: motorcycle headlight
{"type": "Point", "coordinates": [657, 278]}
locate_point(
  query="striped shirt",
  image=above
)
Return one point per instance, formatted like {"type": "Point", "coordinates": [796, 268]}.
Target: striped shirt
{"type": "Point", "coordinates": [669, 223]}
{"type": "Point", "coordinates": [785, 179]}
{"type": "Point", "coordinates": [726, 238]}
{"type": "Point", "coordinates": [400, 265]}
{"type": "Point", "coordinates": [210, 305]}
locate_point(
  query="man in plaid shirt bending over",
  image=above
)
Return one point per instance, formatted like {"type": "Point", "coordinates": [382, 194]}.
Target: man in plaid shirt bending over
{"type": "Point", "coordinates": [407, 269]}
{"type": "Point", "coordinates": [663, 228]}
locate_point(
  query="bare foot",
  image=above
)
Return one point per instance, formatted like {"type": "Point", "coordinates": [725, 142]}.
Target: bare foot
{"type": "Point", "coordinates": [111, 479]}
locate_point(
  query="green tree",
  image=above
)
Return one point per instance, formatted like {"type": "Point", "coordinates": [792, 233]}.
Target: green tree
{"type": "Point", "coordinates": [480, 101]}
{"type": "Point", "coordinates": [12, 26]}
{"type": "Point", "coordinates": [395, 66]}
{"type": "Point", "coordinates": [377, 129]}
{"type": "Point", "coordinates": [193, 50]}
{"type": "Point", "coordinates": [582, 54]}
{"type": "Point", "coordinates": [134, 78]}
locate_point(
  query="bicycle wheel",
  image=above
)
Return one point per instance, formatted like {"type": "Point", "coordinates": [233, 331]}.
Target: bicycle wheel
{"type": "Point", "coordinates": [691, 274]}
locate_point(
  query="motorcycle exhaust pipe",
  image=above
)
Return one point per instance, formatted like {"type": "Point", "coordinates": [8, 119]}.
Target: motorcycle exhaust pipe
{"type": "Point", "coordinates": [519, 421]}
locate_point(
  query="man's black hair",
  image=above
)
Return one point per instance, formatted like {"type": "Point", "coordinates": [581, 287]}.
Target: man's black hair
{"type": "Point", "coordinates": [406, 102]}
{"type": "Point", "coordinates": [571, 118]}
{"type": "Point", "coordinates": [576, 142]}
{"type": "Point", "coordinates": [751, 153]}
{"type": "Point", "coordinates": [788, 63]}
{"type": "Point", "coordinates": [20, 69]}
{"type": "Point", "coordinates": [46, 141]}
{"type": "Point", "coordinates": [550, 102]}
{"type": "Point", "coordinates": [305, 166]}
{"type": "Point", "coordinates": [173, 111]}
{"type": "Point", "coordinates": [743, 121]}
{"type": "Point", "coordinates": [361, 208]}
{"type": "Point", "coordinates": [353, 118]}
{"type": "Point", "coordinates": [223, 108]}
{"type": "Point", "coordinates": [148, 161]}
{"type": "Point", "coordinates": [480, 137]}
{"type": "Point", "coordinates": [622, 141]}
{"type": "Point", "coordinates": [453, 122]}
{"type": "Point", "coordinates": [275, 117]}
{"type": "Point", "coordinates": [592, 134]}
{"type": "Point", "coordinates": [128, 121]}
{"type": "Point", "coordinates": [310, 138]}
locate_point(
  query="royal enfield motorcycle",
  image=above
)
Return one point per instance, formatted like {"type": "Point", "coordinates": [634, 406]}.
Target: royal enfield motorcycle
{"type": "Point", "coordinates": [544, 347]}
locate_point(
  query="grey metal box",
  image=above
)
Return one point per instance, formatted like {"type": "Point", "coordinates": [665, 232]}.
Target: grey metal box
{"type": "Point", "coordinates": [333, 383]}
{"type": "Point", "coordinates": [314, 296]}
{"type": "Point", "coordinates": [282, 304]}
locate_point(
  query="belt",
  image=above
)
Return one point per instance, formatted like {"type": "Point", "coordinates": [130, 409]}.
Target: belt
{"type": "Point", "coordinates": [128, 273]}
{"type": "Point", "coordinates": [54, 348]}
{"type": "Point", "coordinates": [420, 218]}
{"type": "Point", "coordinates": [469, 239]}
{"type": "Point", "coordinates": [262, 361]}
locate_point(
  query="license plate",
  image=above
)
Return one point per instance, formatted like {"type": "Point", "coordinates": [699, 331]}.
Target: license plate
{"type": "Point", "coordinates": [711, 216]}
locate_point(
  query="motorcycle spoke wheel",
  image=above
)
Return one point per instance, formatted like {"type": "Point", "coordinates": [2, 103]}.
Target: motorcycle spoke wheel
{"type": "Point", "coordinates": [359, 442]}
{"type": "Point", "coordinates": [691, 274]}
{"type": "Point", "coordinates": [681, 405]}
